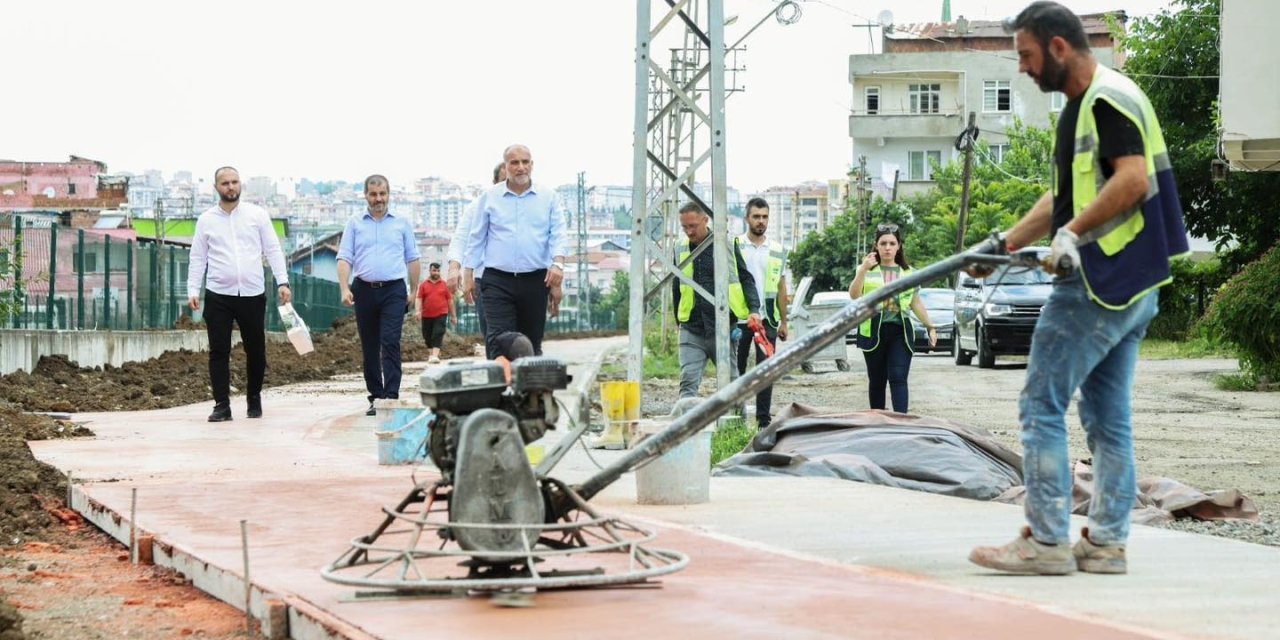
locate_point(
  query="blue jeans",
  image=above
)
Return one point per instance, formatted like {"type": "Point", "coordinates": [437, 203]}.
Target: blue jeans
{"type": "Point", "coordinates": [1078, 344]}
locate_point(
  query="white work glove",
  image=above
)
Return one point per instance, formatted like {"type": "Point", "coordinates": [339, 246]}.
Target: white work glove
{"type": "Point", "coordinates": [1064, 256]}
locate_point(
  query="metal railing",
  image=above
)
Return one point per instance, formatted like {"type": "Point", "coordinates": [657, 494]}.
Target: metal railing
{"type": "Point", "coordinates": [88, 279]}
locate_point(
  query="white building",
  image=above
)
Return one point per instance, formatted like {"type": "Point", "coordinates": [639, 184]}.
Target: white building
{"type": "Point", "coordinates": [913, 100]}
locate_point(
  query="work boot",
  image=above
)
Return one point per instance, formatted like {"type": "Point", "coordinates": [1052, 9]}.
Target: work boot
{"type": "Point", "coordinates": [221, 412]}
{"type": "Point", "coordinates": [255, 407]}
{"type": "Point", "coordinates": [1026, 555]}
{"type": "Point", "coordinates": [611, 439]}
{"type": "Point", "coordinates": [1093, 558]}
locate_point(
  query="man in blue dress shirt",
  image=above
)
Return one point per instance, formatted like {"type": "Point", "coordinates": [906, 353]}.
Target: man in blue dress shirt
{"type": "Point", "coordinates": [518, 234]}
{"type": "Point", "coordinates": [379, 248]}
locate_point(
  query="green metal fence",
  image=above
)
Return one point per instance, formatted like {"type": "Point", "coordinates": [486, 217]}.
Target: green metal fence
{"type": "Point", "coordinates": [57, 278]}
{"type": "Point", "coordinates": [52, 277]}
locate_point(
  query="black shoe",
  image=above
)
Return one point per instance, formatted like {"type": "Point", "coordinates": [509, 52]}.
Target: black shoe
{"type": "Point", "coordinates": [371, 411]}
{"type": "Point", "coordinates": [255, 407]}
{"type": "Point", "coordinates": [221, 413]}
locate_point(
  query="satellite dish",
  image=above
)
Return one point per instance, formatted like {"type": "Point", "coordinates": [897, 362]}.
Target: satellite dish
{"type": "Point", "coordinates": [49, 192]}
{"type": "Point", "coordinates": [885, 18]}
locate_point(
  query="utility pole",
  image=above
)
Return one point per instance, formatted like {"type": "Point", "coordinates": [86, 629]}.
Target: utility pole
{"type": "Point", "coordinates": [862, 208]}
{"type": "Point", "coordinates": [965, 143]}
{"type": "Point", "coordinates": [584, 295]}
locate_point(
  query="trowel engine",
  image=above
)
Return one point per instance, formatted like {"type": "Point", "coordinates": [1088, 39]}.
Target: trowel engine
{"type": "Point", "coordinates": [478, 439]}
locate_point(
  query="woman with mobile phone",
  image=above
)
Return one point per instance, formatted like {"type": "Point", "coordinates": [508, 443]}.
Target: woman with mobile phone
{"type": "Point", "coordinates": [885, 339]}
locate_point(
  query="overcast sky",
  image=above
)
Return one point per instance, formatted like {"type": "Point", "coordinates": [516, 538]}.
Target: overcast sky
{"type": "Point", "coordinates": [338, 90]}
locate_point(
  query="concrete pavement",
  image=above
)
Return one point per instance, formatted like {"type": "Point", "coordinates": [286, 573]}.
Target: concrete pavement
{"type": "Point", "coordinates": [770, 557]}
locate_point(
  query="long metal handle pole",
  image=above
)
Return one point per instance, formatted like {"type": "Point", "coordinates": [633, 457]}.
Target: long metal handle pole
{"type": "Point", "coordinates": [763, 375]}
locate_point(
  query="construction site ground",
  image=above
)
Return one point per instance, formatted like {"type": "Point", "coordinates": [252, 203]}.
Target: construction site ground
{"type": "Point", "coordinates": [789, 556]}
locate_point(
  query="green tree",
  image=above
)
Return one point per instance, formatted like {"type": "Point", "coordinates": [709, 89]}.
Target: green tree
{"type": "Point", "coordinates": [617, 301]}
{"type": "Point", "coordinates": [12, 297]}
{"type": "Point", "coordinates": [1174, 56]}
{"type": "Point", "coordinates": [999, 195]}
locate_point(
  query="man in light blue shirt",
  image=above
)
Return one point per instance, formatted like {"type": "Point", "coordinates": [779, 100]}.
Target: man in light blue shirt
{"type": "Point", "coordinates": [518, 234]}
{"type": "Point", "coordinates": [379, 248]}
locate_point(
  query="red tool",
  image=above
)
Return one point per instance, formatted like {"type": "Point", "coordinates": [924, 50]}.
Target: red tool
{"type": "Point", "coordinates": [760, 337]}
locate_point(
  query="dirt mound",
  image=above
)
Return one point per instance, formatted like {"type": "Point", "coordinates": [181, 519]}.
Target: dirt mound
{"type": "Point", "coordinates": [182, 377]}
{"type": "Point", "coordinates": [29, 490]}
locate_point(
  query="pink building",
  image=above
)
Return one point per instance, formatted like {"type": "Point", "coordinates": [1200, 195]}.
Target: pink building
{"type": "Point", "coordinates": [80, 183]}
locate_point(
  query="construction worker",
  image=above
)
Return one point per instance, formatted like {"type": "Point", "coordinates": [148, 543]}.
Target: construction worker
{"type": "Point", "coordinates": [1115, 220]}
{"type": "Point", "coordinates": [766, 261]}
{"type": "Point", "coordinates": [696, 315]}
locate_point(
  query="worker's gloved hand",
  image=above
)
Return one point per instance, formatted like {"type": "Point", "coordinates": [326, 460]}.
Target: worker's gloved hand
{"type": "Point", "coordinates": [1001, 248]}
{"type": "Point", "coordinates": [736, 334]}
{"type": "Point", "coordinates": [1064, 256]}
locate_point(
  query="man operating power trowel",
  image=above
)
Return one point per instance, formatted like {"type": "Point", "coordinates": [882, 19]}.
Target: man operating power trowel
{"type": "Point", "coordinates": [1115, 220]}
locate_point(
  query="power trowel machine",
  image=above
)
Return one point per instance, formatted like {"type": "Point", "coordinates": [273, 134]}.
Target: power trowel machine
{"type": "Point", "coordinates": [492, 522]}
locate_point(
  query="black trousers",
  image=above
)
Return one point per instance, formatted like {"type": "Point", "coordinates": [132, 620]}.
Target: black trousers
{"type": "Point", "coordinates": [889, 363]}
{"type": "Point", "coordinates": [433, 331]}
{"type": "Point", "coordinates": [248, 313]}
{"type": "Point", "coordinates": [764, 399]}
{"type": "Point", "coordinates": [380, 311]}
{"type": "Point", "coordinates": [514, 302]}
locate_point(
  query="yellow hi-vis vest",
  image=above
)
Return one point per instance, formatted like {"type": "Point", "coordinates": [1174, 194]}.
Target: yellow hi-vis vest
{"type": "Point", "coordinates": [773, 269]}
{"type": "Point", "coordinates": [869, 330]}
{"type": "Point", "coordinates": [737, 299]}
{"type": "Point", "coordinates": [1127, 257]}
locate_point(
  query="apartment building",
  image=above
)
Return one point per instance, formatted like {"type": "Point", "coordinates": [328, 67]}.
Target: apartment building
{"type": "Point", "coordinates": [913, 100]}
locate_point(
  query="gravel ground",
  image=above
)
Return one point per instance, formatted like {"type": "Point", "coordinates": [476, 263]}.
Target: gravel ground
{"type": "Point", "coordinates": [1184, 428]}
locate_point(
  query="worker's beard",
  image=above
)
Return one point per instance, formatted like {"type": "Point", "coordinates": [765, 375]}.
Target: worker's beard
{"type": "Point", "coordinates": [1053, 76]}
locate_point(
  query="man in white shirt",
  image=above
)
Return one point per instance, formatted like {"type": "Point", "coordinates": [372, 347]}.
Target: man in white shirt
{"type": "Point", "coordinates": [231, 240]}
{"type": "Point", "coordinates": [766, 260]}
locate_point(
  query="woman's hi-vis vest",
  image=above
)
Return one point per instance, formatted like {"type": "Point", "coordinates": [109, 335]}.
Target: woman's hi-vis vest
{"type": "Point", "coordinates": [869, 330]}
{"type": "Point", "coordinates": [737, 299]}
{"type": "Point", "coordinates": [1128, 256]}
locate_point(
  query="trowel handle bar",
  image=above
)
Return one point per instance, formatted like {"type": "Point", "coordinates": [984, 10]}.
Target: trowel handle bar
{"type": "Point", "coordinates": [770, 369]}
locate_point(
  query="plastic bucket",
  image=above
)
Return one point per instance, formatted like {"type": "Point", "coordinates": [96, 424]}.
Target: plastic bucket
{"type": "Point", "coordinates": [402, 432]}
{"type": "Point", "coordinates": [679, 476]}
{"type": "Point", "coordinates": [620, 401]}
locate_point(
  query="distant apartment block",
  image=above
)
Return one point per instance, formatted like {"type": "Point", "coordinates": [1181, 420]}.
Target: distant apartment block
{"type": "Point", "coordinates": [911, 101]}
{"type": "Point", "coordinates": [797, 211]}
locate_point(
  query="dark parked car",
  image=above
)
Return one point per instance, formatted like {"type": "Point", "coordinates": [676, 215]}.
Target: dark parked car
{"type": "Point", "coordinates": [996, 315]}
{"type": "Point", "coordinates": [941, 304]}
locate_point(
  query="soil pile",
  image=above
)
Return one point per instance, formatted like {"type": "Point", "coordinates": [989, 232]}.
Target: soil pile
{"type": "Point", "coordinates": [30, 491]}
{"type": "Point", "coordinates": [182, 377]}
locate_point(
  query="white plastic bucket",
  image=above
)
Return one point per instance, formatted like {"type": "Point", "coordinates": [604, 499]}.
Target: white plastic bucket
{"type": "Point", "coordinates": [679, 476]}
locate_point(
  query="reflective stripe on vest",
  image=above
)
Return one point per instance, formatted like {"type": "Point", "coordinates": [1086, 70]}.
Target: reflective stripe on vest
{"type": "Point", "coordinates": [872, 281]}
{"type": "Point", "coordinates": [1119, 262]}
{"type": "Point", "coordinates": [737, 299]}
{"type": "Point", "coordinates": [772, 276]}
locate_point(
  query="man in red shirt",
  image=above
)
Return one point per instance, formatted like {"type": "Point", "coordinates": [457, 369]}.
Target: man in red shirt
{"type": "Point", "coordinates": [434, 303]}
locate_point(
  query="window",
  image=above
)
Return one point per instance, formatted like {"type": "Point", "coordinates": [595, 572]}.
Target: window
{"type": "Point", "coordinates": [1057, 100]}
{"type": "Point", "coordinates": [873, 100]}
{"type": "Point", "coordinates": [90, 262]}
{"type": "Point", "coordinates": [998, 152]}
{"type": "Point", "coordinates": [918, 164]}
{"type": "Point", "coordinates": [71, 188]}
{"type": "Point", "coordinates": [996, 96]}
{"type": "Point", "coordinates": [924, 98]}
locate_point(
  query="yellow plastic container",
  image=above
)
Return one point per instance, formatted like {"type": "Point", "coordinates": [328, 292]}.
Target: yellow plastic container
{"type": "Point", "coordinates": [620, 400]}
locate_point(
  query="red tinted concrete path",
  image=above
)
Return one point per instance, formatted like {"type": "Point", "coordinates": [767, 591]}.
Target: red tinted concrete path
{"type": "Point", "coordinates": [728, 591]}
{"type": "Point", "coordinates": [306, 480]}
